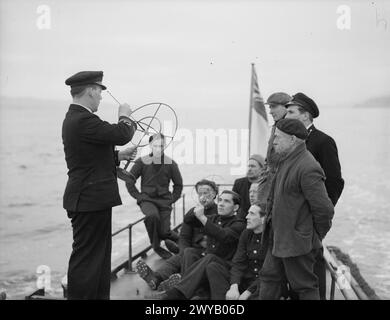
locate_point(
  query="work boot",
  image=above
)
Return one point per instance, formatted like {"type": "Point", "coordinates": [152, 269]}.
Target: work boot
{"type": "Point", "coordinates": [171, 246]}
{"type": "Point", "coordinates": [163, 253]}
{"type": "Point", "coordinates": [173, 280]}
{"type": "Point", "coordinates": [147, 274]}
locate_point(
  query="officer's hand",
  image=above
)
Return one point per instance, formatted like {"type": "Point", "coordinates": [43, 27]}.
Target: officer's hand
{"type": "Point", "coordinates": [245, 295]}
{"type": "Point", "coordinates": [233, 293]}
{"type": "Point", "coordinates": [124, 110]}
{"type": "Point", "coordinates": [128, 154]}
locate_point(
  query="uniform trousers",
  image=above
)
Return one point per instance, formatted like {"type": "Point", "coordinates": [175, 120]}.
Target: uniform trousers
{"type": "Point", "coordinates": [157, 222]}
{"type": "Point", "coordinates": [198, 274]}
{"type": "Point", "coordinates": [89, 267]}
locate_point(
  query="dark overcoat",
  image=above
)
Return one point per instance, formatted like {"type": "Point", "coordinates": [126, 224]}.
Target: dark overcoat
{"type": "Point", "coordinates": [89, 144]}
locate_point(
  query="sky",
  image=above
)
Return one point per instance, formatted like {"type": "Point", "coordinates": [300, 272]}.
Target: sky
{"type": "Point", "coordinates": [197, 53]}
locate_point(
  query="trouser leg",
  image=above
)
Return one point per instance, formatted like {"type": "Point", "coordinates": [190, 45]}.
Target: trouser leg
{"type": "Point", "coordinates": [90, 261]}
{"type": "Point", "coordinates": [271, 277]}
{"type": "Point", "coordinates": [170, 266]}
{"type": "Point", "coordinates": [218, 276]}
{"type": "Point", "coordinates": [165, 224]}
{"type": "Point", "coordinates": [320, 272]}
{"type": "Point", "coordinates": [152, 222]}
{"type": "Point", "coordinates": [300, 274]}
{"type": "Point", "coordinates": [190, 256]}
{"type": "Point", "coordinates": [195, 276]}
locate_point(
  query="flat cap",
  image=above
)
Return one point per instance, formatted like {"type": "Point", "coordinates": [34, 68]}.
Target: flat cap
{"type": "Point", "coordinates": [84, 78]}
{"type": "Point", "coordinates": [278, 98]}
{"type": "Point", "coordinates": [293, 127]}
{"type": "Point", "coordinates": [205, 182]}
{"type": "Point", "coordinates": [258, 158]}
{"type": "Point", "coordinates": [302, 100]}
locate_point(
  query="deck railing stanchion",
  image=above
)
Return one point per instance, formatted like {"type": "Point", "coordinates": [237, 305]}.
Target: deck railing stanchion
{"type": "Point", "coordinates": [130, 266]}
{"type": "Point", "coordinates": [332, 287]}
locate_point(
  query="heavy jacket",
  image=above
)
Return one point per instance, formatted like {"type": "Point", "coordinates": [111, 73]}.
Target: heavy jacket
{"type": "Point", "coordinates": [241, 186]}
{"type": "Point", "coordinates": [90, 157]}
{"type": "Point", "coordinates": [324, 150]}
{"type": "Point", "coordinates": [302, 211]}
{"type": "Point", "coordinates": [248, 260]}
{"type": "Point", "coordinates": [222, 233]}
{"type": "Point", "coordinates": [191, 235]}
{"type": "Point", "coordinates": [155, 179]}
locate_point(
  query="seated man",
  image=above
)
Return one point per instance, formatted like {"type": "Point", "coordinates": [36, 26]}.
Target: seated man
{"type": "Point", "coordinates": [190, 237]}
{"type": "Point", "coordinates": [223, 231]}
{"type": "Point", "coordinates": [157, 170]}
{"type": "Point", "coordinates": [247, 262]}
{"type": "Point", "coordinates": [241, 186]}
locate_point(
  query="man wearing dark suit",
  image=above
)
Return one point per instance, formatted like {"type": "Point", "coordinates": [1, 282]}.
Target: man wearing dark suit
{"type": "Point", "coordinates": [324, 150]}
{"type": "Point", "coordinates": [92, 188]}
{"type": "Point", "coordinates": [299, 216]}
{"type": "Point", "coordinates": [242, 185]}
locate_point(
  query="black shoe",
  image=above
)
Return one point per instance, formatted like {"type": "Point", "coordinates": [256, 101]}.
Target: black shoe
{"type": "Point", "coordinates": [163, 253]}
{"type": "Point", "coordinates": [172, 246]}
{"type": "Point", "coordinates": [173, 280]}
{"type": "Point", "coordinates": [147, 274]}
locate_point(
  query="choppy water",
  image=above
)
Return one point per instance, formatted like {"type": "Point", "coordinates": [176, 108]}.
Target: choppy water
{"type": "Point", "coordinates": [34, 229]}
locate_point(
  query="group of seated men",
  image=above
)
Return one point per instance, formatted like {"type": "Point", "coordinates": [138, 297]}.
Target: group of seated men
{"type": "Point", "coordinates": [220, 253]}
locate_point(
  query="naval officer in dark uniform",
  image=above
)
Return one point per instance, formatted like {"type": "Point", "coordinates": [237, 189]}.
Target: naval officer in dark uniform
{"type": "Point", "coordinates": [92, 188]}
{"type": "Point", "coordinates": [324, 150]}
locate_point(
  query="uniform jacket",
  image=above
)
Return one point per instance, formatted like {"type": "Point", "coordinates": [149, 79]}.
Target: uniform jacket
{"type": "Point", "coordinates": [302, 211]}
{"type": "Point", "coordinates": [89, 153]}
{"type": "Point", "coordinates": [191, 235]}
{"type": "Point", "coordinates": [155, 179]}
{"type": "Point", "coordinates": [324, 150]}
{"type": "Point", "coordinates": [241, 186]}
{"type": "Point", "coordinates": [222, 233]}
{"type": "Point", "coordinates": [248, 260]}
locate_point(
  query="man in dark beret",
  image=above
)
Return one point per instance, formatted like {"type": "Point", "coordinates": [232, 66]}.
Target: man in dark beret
{"type": "Point", "coordinates": [299, 215]}
{"type": "Point", "coordinates": [92, 188]}
{"type": "Point", "coordinates": [324, 150]}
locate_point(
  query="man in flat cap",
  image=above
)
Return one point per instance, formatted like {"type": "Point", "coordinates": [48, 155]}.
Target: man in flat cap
{"type": "Point", "coordinates": [242, 185]}
{"type": "Point", "coordinates": [92, 188]}
{"type": "Point", "coordinates": [324, 150]}
{"type": "Point", "coordinates": [277, 105]}
{"type": "Point", "coordinates": [299, 215]}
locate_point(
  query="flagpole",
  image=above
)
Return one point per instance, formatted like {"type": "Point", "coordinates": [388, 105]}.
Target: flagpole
{"type": "Point", "coordinates": [250, 111]}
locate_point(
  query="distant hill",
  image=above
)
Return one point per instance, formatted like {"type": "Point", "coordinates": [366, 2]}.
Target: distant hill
{"type": "Point", "coordinates": [377, 102]}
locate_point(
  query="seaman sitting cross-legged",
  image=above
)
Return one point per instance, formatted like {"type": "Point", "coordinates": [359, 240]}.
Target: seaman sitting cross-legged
{"type": "Point", "coordinates": [223, 231]}
{"type": "Point", "coordinates": [191, 236]}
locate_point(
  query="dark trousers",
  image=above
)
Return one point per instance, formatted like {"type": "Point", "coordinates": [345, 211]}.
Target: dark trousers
{"type": "Point", "coordinates": [320, 272]}
{"type": "Point", "coordinates": [298, 271]}
{"type": "Point", "coordinates": [196, 276]}
{"type": "Point", "coordinates": [218, 275]}
{"type": "Point", "coordinates": [157, 222]}
{"type": "Point", "coordinates": [190, 256]}
{"type": "Point", "coordinates": [169, 267]}
{"type": "Point", "coordinates": [89, 267]}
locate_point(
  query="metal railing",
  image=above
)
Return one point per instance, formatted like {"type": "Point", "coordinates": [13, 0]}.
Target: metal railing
{"type": "Point", "coordinates": [128, 264]}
